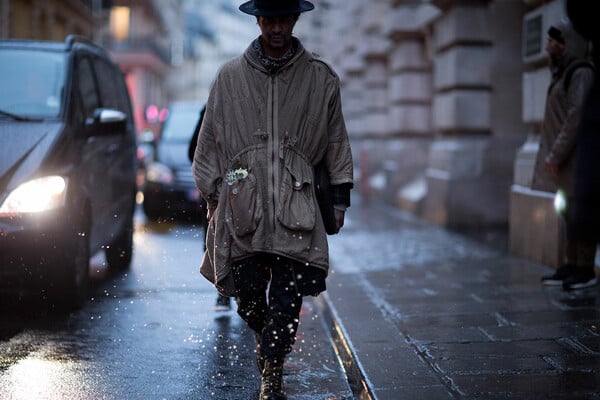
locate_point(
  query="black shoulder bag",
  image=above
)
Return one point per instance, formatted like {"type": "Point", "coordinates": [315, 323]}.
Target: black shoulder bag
{"type": "Point", "coordinates": [324, 198]}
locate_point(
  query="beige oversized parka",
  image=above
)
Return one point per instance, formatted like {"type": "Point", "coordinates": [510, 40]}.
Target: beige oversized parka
{"type": "Point", "coordinates": [272, 129]}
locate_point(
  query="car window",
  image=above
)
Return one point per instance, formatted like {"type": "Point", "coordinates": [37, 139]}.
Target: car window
{"type": "Point", "coordinates": [87, 87]}
{"type": "Point", "coordinates": [180, 124]}
{"type": "Point", "coordinates": [109, 92]}
{"type": "Point", "coordinates": [32, 82]}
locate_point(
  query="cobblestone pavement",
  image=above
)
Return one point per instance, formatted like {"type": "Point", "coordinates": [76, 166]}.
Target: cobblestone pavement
{"type": "Point", "coordinates": [418, 312]}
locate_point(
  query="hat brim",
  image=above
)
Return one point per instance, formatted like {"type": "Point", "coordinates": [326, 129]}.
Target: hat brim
{"type": "Point", "coordinates": [249, 8]}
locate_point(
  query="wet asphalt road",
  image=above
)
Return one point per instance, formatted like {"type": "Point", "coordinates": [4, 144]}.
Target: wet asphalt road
{"type": "Point", "coordinates": [152, 333]}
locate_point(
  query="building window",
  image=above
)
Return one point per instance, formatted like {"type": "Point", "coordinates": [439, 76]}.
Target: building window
{"type": "Point", "coordinates": [533, 35]}
{"type": "Point", "coordinates": [119, 23]}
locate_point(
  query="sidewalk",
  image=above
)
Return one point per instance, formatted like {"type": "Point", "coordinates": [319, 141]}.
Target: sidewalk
{"type": "Point", "coordinates": [418, 312]}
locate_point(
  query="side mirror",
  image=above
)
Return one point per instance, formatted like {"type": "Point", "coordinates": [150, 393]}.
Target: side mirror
{"type": "Point", "coordinates": [106, 121]}
{"type": "Point", "coordinates": [107, 116]}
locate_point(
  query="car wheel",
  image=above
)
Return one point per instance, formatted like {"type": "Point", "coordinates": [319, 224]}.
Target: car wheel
{"type": "Point", "coordinates": [120, 252]}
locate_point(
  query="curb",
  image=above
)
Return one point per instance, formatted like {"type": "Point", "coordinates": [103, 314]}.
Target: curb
{"type": "Point", "coordinates": [343, 349]}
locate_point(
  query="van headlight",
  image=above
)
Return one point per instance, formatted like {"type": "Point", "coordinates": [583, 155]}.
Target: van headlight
{"type": "Point", "coordinates": [37, 195]}
{"type": "Point", "coordinates": [159, 173]}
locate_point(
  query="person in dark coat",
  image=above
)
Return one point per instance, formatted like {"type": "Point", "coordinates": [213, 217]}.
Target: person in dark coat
{"type": "Point", "coordinates": [585, 220]}
{"type": "Point", "coordinates": [572, 79]}
{"type": "Point", "coordinates": [223, 302]}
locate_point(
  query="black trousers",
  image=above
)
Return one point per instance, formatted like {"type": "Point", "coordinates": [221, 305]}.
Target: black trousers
{"type": "Point", "coordinates": [580, 251]}
{"type": "Point", "coordinates": [269, 300]}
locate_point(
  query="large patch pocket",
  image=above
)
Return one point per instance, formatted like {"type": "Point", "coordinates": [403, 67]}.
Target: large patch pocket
{"type": "Point", "coordinates": [297, 210]}
{"type": "Point", "coordinates": [246, 207]}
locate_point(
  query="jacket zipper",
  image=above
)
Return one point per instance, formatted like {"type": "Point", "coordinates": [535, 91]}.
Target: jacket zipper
{"type": "Point", "coordinates": [273, 145]}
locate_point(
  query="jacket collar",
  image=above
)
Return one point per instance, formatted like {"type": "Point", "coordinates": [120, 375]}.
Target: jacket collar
{"type": "Point", "coordinates": [253, 57]}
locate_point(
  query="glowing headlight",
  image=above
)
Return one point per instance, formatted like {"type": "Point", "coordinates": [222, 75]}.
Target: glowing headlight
{"type": "Point", "coordinates": [560, 202]}
{"type": "Point", "coordinates": [37, 195]}
{"type": "Point", "coordinates": [159, 173]}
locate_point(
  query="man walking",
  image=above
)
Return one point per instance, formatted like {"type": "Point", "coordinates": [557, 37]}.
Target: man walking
{"type": "Point", "coordinates": [272, 115]}
{"type": "Point", "coordinates": [572, 78]}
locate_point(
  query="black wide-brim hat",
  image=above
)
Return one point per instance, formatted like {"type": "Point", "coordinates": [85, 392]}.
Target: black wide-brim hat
{"type": "Point", "coordinates": [272, 8]}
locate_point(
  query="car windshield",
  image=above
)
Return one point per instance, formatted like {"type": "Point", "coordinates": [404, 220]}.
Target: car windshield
{"type": "Point", "coordinates": [180, 124]}
{"type": "Point", "coordinates": [32, 83]}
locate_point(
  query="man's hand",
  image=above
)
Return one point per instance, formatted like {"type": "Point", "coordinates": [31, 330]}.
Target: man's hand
{"type": "Point", "coordinates": [339, 218]}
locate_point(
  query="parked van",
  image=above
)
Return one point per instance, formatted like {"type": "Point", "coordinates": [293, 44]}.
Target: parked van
{"type": "Point", "coordinates": [67, 167]}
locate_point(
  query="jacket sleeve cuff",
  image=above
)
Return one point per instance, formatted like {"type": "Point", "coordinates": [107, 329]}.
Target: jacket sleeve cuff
{"type": "Point", "coordinates": [341, 194]}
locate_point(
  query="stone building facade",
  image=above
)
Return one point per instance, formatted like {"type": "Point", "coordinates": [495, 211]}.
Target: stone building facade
{"type": "Point", "coordinates": [137, 36]}
{"type": "Point", "coordinates": [444, 100]}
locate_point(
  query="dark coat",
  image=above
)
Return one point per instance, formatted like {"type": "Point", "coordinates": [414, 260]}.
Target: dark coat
{"type": "Point", "coordinates": [585, 221]}
{"type": "Point", "coordinates": [194, 139]}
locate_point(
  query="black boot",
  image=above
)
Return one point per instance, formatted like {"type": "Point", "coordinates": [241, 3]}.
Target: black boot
{"type": "Point", "coordinates": [260, 360]}
{"type": "Point", "coordinates": [271, 385]}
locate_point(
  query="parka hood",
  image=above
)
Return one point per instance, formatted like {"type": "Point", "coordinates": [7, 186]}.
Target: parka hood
{"type": "Point", "coordinates": [576, 47]}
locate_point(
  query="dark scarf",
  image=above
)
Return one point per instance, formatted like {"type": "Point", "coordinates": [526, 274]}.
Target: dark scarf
{"type": "Point", "coordinates": [273, 64]}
